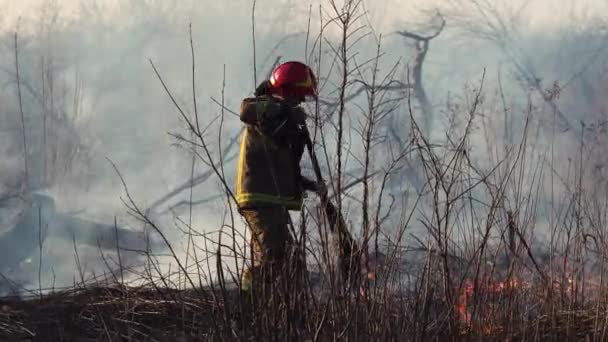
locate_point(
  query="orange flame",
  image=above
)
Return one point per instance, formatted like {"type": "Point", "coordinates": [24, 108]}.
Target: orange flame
{"type": "Point", "coordinates": [495, 288]}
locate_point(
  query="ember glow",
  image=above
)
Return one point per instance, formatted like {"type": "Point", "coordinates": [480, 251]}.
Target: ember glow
{"type": "Point", "coordinates": [477, 306]}
{"type": "Point", "coordinates": [489, 295]}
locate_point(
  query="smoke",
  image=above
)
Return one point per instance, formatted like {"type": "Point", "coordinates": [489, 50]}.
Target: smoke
{"type": "Point", "coordinates": [90, 94]}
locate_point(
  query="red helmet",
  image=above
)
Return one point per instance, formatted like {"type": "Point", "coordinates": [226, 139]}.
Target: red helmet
{"type": "Point", "coordinates": [293, 79]}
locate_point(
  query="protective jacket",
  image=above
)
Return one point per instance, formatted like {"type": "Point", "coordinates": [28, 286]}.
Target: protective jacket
{"type": "Point", "coordinates": [271, 149]}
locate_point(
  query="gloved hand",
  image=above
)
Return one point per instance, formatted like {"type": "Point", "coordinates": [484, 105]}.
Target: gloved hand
{"type": "Point", "coordinates": [321, 189]}
{"type": "Point", "coordinates": [310, 185]}
{"type": "Point", "coordinates": [263, 88]}
{"type": "Point", "coordinates": [282, 126]}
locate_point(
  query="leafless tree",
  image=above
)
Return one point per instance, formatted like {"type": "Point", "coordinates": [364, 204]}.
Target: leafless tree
{"type": "Point", "coordinates": [421, 44]}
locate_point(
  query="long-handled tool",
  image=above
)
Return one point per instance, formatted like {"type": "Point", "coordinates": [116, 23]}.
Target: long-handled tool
{"type": "Point", "coordinates": [348, 251]}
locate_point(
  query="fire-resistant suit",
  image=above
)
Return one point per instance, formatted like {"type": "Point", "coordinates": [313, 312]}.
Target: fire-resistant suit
{"type": "Point", "coordinates": [269, 181]}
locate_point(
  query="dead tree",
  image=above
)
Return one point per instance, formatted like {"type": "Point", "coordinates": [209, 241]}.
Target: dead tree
{"type": "Point", "coordinates": [422, 43]}
{"type": "Point", "coordinates": [410, 173]}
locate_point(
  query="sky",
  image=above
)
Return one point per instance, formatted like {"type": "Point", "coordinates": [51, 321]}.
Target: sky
{"type": "Point", "coordinates": [104, 49]}
{"type": "Point", "coordinates": [384, 13]}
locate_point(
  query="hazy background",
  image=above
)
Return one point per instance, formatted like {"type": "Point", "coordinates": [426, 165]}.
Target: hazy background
{"type": "Point", "coordinates": [93, 56]}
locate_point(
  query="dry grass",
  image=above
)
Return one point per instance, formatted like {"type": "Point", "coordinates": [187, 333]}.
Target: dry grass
{"type": "Point", "coordinates": [115, 313]}
{"type": "Point", "coordinates": [108, 313]}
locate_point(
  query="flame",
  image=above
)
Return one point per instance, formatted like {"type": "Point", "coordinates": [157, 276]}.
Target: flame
{"type": "Point", "coordinates": [463, 301]}
{"type": "Point", "coordinates": [490, 287]}
{"type": "Point", "coordinates": [491, 292]}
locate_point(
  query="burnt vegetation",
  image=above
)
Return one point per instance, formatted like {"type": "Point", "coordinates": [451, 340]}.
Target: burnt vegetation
{"type": "Point", "coordinates": [491, 227]}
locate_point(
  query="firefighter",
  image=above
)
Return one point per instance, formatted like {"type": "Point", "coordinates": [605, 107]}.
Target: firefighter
{"type": "Point", "coordinates": [269, 180]}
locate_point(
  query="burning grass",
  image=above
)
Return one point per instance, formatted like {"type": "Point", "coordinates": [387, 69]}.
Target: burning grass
{"type": "Point", "coordinates": [518, 309]}
{"type": "Point", "coordinates": [505, 311]}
